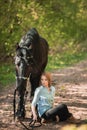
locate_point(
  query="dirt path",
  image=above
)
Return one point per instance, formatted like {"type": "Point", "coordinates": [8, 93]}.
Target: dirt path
{"type": "Point", "coordinates": [71, 88]}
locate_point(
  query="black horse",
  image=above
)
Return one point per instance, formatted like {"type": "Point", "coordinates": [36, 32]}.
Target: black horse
{"type": "Point", "coordinates": [30, 60]}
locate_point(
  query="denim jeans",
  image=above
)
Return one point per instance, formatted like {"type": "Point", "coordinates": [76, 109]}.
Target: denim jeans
{"type": "Point", "coordinates": [61, 111]}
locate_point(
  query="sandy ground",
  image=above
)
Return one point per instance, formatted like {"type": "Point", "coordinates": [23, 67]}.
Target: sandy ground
{"type": "Point", "coordinates": [71, 89]}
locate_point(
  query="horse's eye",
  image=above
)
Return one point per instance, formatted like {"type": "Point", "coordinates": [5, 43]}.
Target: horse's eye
{"type": "Point", "coordinates": [30, 47]}
{"type": "Point", "coordinates": [17, 60]}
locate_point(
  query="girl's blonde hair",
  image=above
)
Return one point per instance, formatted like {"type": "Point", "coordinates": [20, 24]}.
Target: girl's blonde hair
{"type": "Point", "coordinates": [48, 76]}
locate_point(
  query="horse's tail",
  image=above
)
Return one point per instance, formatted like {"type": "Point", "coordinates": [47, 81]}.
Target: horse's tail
{"type": "Point", "coordinates": [14, 102]}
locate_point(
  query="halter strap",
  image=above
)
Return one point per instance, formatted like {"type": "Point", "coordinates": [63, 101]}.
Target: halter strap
{"type": "Point", "coordinates": [22, 77]}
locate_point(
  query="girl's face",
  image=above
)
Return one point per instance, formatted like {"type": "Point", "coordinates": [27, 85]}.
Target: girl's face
{"type": "Point", "coordinates": [44, 81]}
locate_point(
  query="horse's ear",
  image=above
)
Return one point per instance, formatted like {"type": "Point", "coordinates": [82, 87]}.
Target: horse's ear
{"type": "Point", "coordinates": [17, 46]}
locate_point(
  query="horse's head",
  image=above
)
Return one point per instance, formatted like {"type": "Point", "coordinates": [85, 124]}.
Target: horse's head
{"type": "Point", "coordinates": [24, 57]}
{"type": "Point", "coordinates": [23, 62]}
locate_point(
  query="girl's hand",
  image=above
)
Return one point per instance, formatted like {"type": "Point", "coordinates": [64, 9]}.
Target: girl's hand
{"type": "Point", "coordinates": [34, 113]}
{"type": "Point", "coordinates": [35, 117]}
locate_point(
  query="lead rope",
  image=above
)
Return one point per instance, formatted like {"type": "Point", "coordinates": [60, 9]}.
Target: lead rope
{"type": "Point", "coordinates": [23, 125]}
{"type": "Point", "coordinates": [14, 102]}
{"type": "Point", "coordinates": [32, 122]}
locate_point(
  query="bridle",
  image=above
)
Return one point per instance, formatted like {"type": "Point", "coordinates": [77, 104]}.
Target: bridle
{"type": "Point", "coordinates": [32, 125]}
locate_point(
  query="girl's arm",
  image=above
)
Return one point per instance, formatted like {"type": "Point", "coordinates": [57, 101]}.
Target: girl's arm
{"type": "Point", "coordinates": [34, 112]}
{"type": "Point", "coordinates": [34, 103]}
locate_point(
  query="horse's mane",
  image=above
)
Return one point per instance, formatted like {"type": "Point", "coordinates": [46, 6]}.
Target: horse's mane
{"type": "Point", "coordinates": [37, 46]}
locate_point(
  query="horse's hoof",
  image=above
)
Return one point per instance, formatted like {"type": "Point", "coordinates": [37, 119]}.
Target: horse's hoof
{"type": "Point", "coordinates": [20, 118]}
{"type": "Point", "coordinates": [20, 115]}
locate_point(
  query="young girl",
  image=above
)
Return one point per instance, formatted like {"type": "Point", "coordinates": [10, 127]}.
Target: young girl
{"type": "Point", "coordinates": [44, 99]}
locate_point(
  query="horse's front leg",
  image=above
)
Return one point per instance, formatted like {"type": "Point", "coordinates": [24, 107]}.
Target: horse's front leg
{"type": "Point", "coordinates": [34, 80]}
{"type": "Point", "coordinates": [21, 101]}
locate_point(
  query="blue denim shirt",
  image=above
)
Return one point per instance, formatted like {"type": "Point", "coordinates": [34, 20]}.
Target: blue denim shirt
{"type": "Point", "coordinates": [43, 99]}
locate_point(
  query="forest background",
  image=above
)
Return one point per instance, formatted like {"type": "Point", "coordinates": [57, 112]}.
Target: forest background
{"type": "Point", "coordinates": [63, 23]}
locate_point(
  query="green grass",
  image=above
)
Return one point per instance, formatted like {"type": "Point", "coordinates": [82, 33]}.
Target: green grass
{"type": "Point", "coordinates": [7, 74]}
{"type": "Point", "coordinates": [64, 60]}
{"type": "Point", "coordinates": [7, 71]}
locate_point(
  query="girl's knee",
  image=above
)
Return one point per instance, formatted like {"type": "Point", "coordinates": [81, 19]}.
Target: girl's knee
{"type": "Point", "coordinates": [64, 105]}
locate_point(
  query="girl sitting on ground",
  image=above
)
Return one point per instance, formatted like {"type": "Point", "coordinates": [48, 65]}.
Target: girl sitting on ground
{"type": "Point", "coordinates": [44, 99]}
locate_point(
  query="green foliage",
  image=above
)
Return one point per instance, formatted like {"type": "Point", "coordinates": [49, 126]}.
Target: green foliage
{"type": "Point", "coordinates": [57, 21]}
{"type": "Point", "coordinates": [63, 23]}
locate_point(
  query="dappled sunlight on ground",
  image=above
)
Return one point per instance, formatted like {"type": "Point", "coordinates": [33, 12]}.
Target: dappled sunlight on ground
{"type": "Point", "coordinates": [71, 89]}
